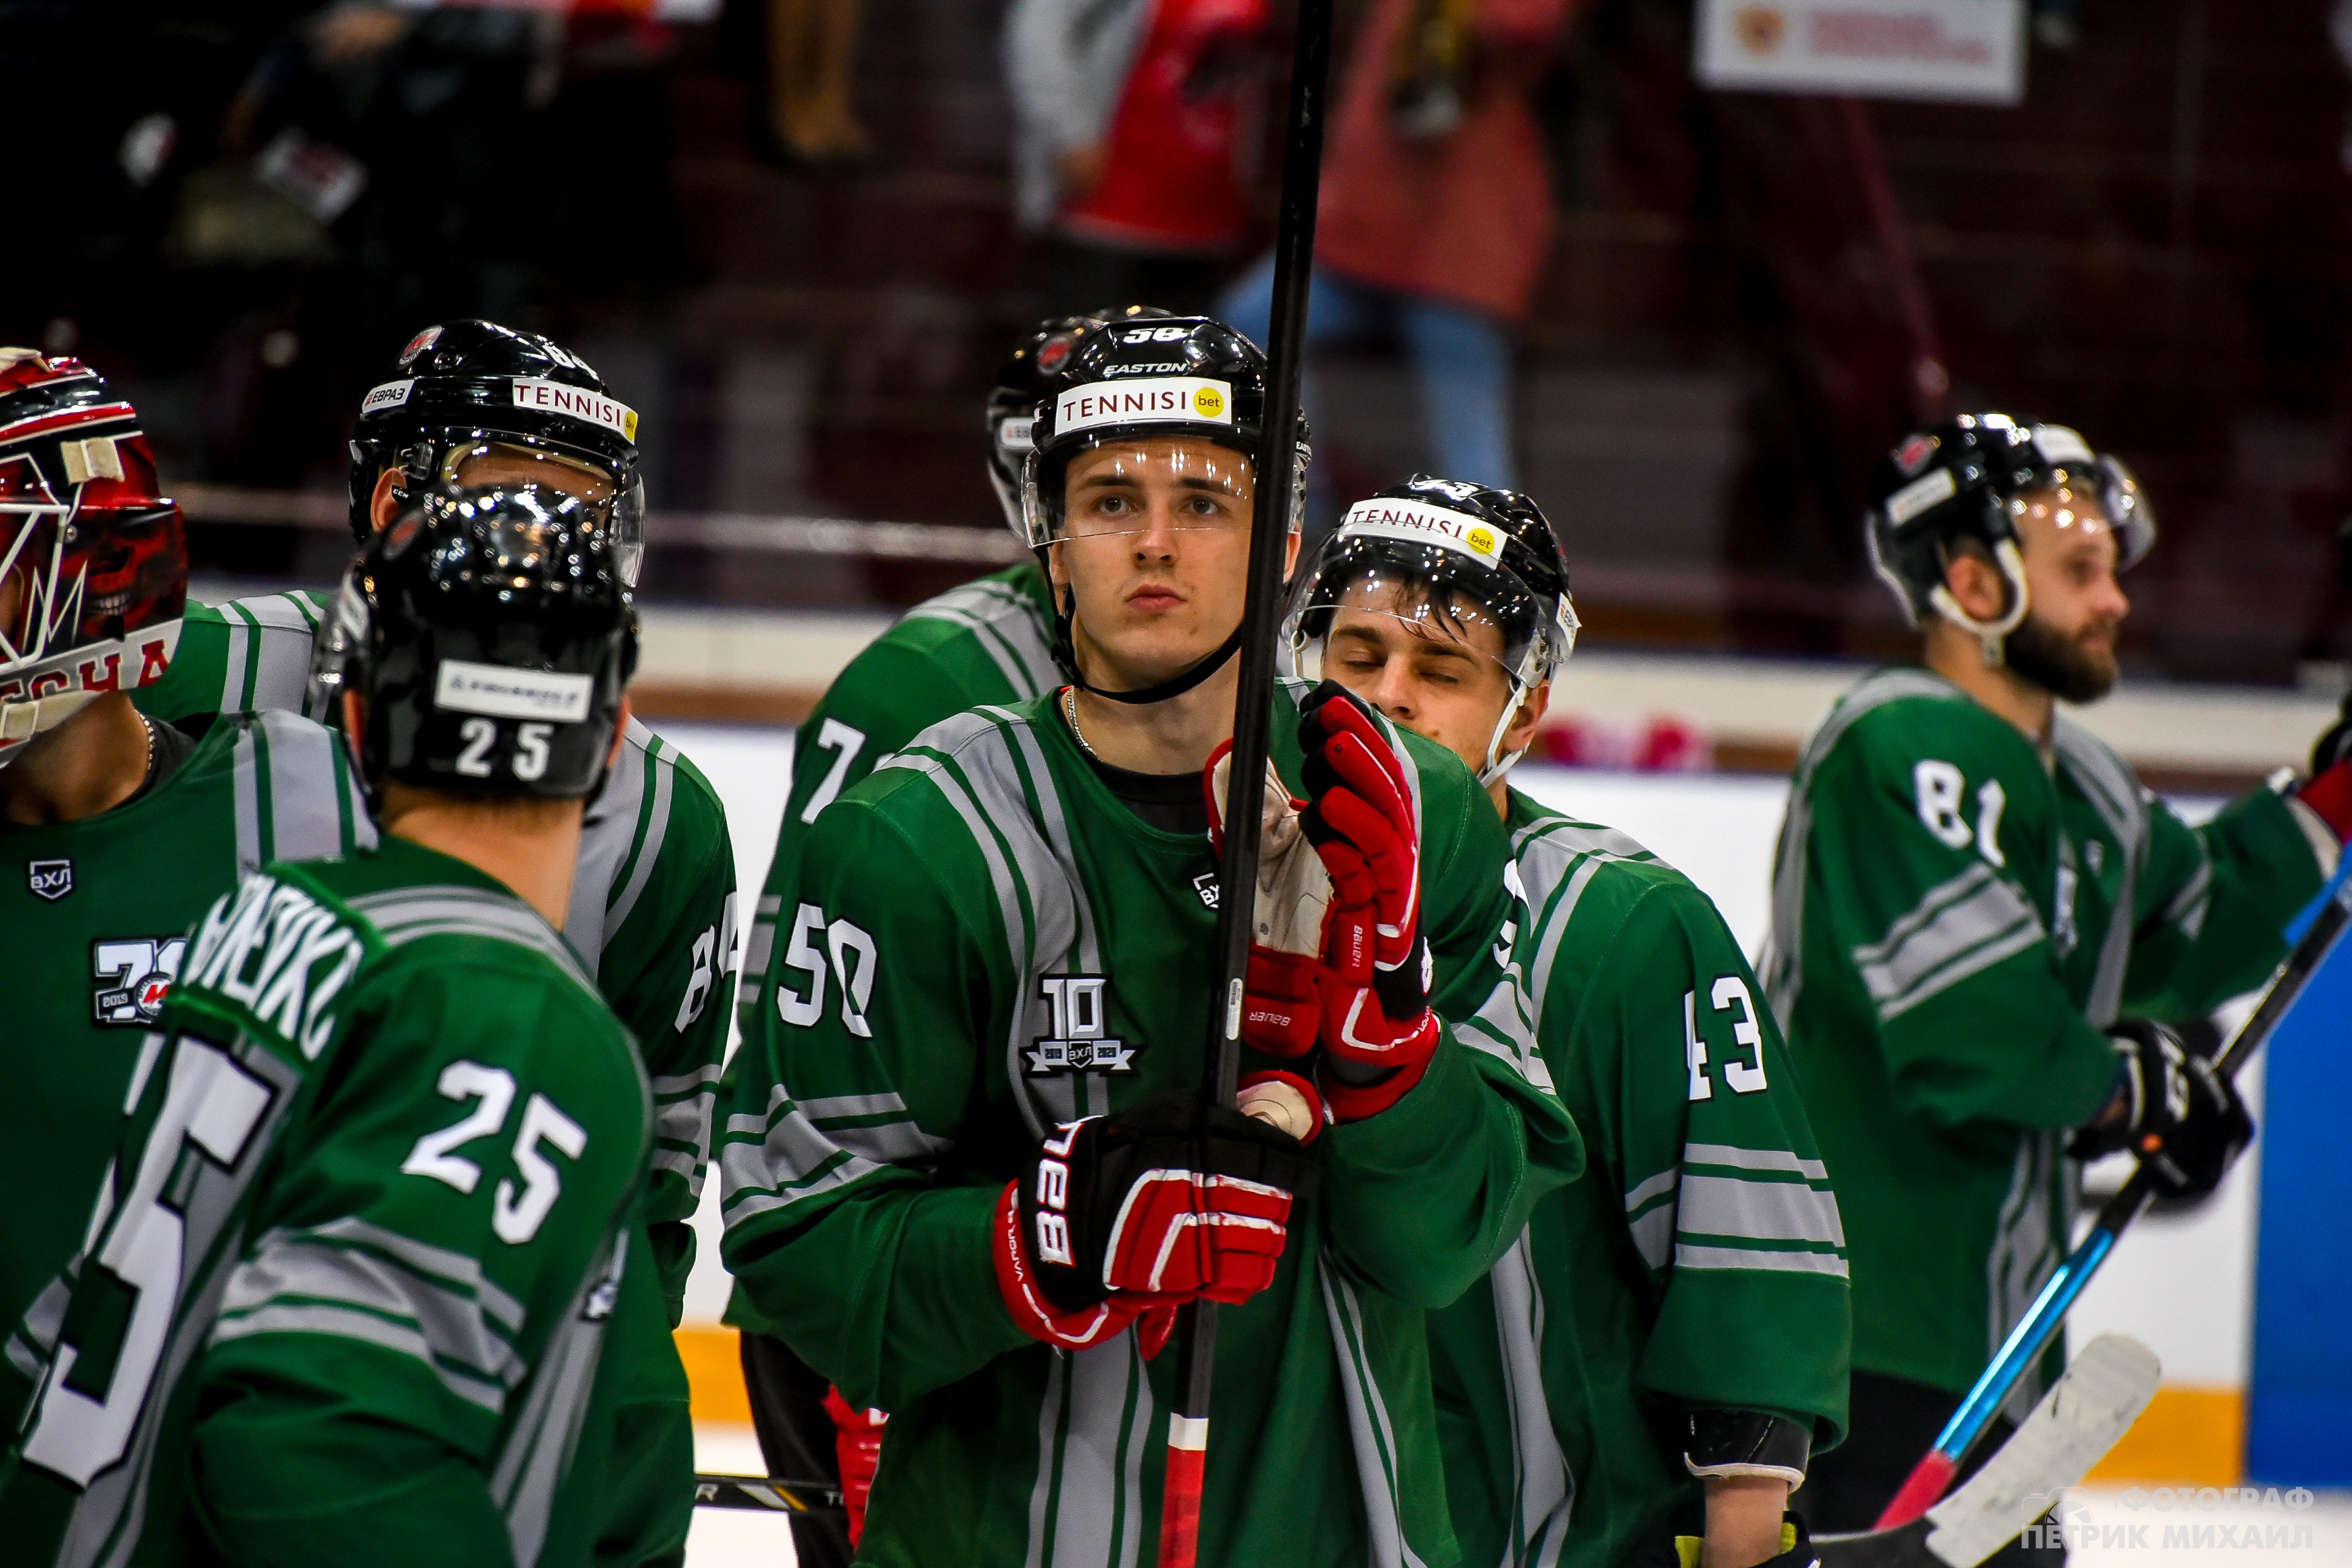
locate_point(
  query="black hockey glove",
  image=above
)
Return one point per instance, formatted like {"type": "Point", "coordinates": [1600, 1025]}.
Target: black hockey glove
{"type": "Point", "coordinates": [1165, 1202]}
{"type": "Point", "coordinates": [1745, 1443]}
{"type": "Point", "coordinates": [2172, 1109]}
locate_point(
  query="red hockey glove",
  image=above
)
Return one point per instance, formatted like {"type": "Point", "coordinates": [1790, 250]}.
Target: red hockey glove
{"type": "Point", "coordinates": [857, 1449]}
{"type": "Point", "coordinates": [1376, 971]}
{"type": "Point", "coordinates": [2172, 1109]}
{"type": "Point", "coordinates": [1145, 1208]}
{"type": "Point", "coordinates": [2329, 795]}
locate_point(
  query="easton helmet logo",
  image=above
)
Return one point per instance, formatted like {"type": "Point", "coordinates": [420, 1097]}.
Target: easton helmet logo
{"type": "Point", "coordinates": [50, 879]}
{"type": "Point", "coordinates": [1079, 1041]}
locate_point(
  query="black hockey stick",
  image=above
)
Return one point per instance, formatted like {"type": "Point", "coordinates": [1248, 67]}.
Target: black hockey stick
{"type": "Point", "coordinates": [1277, 502]}
{"type": "Point", "coordinates": [2090, 1406]}
{"type": "Point", "coordinates": [769, 1494]}
{"type": "Point", "coordinates": [1936, 1469]}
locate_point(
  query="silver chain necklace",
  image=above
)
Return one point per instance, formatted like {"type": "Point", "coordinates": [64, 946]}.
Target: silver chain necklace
{"type": "Point", "coordinates": [1070, 712]}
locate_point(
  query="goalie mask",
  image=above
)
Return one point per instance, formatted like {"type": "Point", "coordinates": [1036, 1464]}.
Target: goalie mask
{"type": "Point", "coordinates": [472, 403]}
{"type": "Point", "coordinates": [93, 559]}
{"type": "Point", "coordinates": [1965, 480]}
{"type": "Point", "coordinates": [490, 635]}
{"type": "Point", "coordinates": [1180, 376]}
{"type": "Point", "coordinates": [1462, 563]}
{"type": "Point", "coordinates": [1021, 380]}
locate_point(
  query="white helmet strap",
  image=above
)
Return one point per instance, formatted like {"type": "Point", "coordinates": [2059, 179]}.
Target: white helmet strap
{"type": "Point", "coordinates": [1991, 635]}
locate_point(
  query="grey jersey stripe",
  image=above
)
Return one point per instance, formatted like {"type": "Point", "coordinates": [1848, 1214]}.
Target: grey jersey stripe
{"type": "Point", "coordinates": [349, 1322]}
{"type": "Point", "coordinates": [1961, 928]}
{"type": "Point", "coordinates": [1753, 1160]}
{"type": "Point", "coordinates": [407, 913]}
{"type": "Point", "coordinates": [663, 765]}
{"type": "Point", "coordinates": [1687, 1255]}
{"type": "Point", "coordinates": [1007, 628]}
{"type": "Point", "coordinates": [605, 835]}
{"type": "Point", "coordinates": [1371, 1435]}
{"type": "Point", "coordinates": [1543, 1486]}
{"type": "Point", "coordinates": [792, 1162]}
{"type": "Point", "coordinates": [306, 800]}
{"type": "Point", "coordinates": [1758, 1210]}
{"type": "Point", "coordinates": [1783, 958]}
{"type": "Point", "coordinates": [290, 1268]}
{"type": "Point", "coordinates": [2113, 790]}
{"type": "Point", "coordinates": [530, 1464]}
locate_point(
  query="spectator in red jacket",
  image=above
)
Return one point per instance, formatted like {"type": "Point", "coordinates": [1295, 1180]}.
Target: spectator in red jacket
{"type": "Point", "coordinates": [1436, 210]}
{"type": "Point", "coordinates": [1128, 143]}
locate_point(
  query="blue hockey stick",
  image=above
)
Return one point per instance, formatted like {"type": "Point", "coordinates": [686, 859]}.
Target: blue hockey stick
{"type": "Point", "coordinates": [2312, 932]}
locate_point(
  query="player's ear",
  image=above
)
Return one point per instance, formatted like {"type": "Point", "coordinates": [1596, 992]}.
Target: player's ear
{"type": "Point", "coordinates": [1977, 584]}
{"type": "Point", "coordinates": [1530, 716]}
{"type": "Point", "coordinates": [1290, 556]}
{"type": "Point", "coordinates": [620, 731]}
{"type": "Point", "coordinates": [381, 506]}
{"type": "Point", "coordinates": [354, 718]}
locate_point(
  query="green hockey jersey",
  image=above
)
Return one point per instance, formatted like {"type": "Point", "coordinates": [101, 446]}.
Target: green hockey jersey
{"type": "Point", "coordinates": [653, 900]}
{"type": "Point", "coordinates": [985, 942]}
{"type": "Point", "coordinates": [342, 1298]}
{"type": "Point", "coordinates": [97, 913]}
{"type": "Point", "coordinates": [1955, 918]}
{"type": "Point", "coordinates": [988, 640]}
{"type": "Point", "coordinates": [1699, 1263]}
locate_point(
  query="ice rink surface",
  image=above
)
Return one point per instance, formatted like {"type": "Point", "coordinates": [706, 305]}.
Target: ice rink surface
{"type": "Point", "coordinates": [1718, 829]}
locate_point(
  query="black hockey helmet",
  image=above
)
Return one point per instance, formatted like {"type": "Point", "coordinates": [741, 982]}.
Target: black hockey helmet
{"type": "Point", "coordinates": [462, 388]}
{"type": "Point", "coordinates": [1461, 553]}
{"type": "Point", "coordinates": [1963, 479]}
{"type": "Point", "coordinates": [1021, 380]}
{"type": "Point", "coordinates": [492, 636]}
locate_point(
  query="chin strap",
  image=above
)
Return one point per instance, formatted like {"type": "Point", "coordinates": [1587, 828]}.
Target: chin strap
{"type": "Point", "coordinates": [1065, 654]}
{"type": "Point", "coordinates": [20, 721]}
{"type": "Point", "coordinates": [1992, 635]}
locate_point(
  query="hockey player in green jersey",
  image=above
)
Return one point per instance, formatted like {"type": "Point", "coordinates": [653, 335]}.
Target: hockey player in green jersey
{"type": "Point", "coordinates": [117, 830]}
{"type": "Point", "coordinates": [653, 911]}
{"type": "Point", "coordinates": [1976, 906]}
{"type": "Point", "coordinates": [982, 1024]}
{"type": "Point", "coordinates": [1666, 1340]}
{"type": "Point", "coordinates": [990, 640]}
{"type": "Point", "coordinates": [343, 1297]}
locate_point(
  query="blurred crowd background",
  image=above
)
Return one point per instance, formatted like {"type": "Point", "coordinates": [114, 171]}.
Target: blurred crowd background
{"type": "Point", "coordinates": [798, 235]}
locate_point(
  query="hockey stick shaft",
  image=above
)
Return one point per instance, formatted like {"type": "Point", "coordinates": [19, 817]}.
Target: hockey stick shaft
{"type": "Point", "coordinates": [2026, 1341]}
{"type": "Point", "coordinates": [1276, 514]}
{"type": "Point", "coordinates": [769, 1494]}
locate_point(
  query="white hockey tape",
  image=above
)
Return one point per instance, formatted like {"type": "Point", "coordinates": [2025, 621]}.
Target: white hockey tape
{"type": "Point", "coordinates": [1174, 399]}
{"type": "Point", "coordinates": [464, 687]}
{"type": "Point", "coordinates": [1421, 523]}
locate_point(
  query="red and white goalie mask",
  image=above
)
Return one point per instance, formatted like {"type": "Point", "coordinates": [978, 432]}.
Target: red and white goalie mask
{"type": "Point", "coordinates": [93, 559]}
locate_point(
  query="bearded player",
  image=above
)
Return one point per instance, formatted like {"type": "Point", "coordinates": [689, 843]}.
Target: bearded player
{"type": "Point", "coordinates": [653, 909]}
{"type": "Point", "coordinates": [967, 1174]}
{"type": "Point", "coordinates": [1977, 911]}
{"type": "Point", "coordinates": [1665, 1343]}
{"type": "Point", "coordinates": [117, 829]}
{"type": "Point", "coordinates": [344, 1295]}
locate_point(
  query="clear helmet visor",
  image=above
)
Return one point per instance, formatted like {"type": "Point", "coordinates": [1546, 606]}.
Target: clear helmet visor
{"type": "Point", "coordinates": [1121, 487]}
{"type": "Point", "coordinates": [2093, 496]}
{"type": "Point", "coordinates": [1378, 609]}
{"type": "Point", "coordinates": [487, 462]}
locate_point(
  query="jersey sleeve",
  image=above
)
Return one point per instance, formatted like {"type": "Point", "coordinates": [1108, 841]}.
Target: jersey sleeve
{"type": "Point", "coordinates": [847, 1227]}
{"type": "Point", "coordinates": [665, 967]}
{"type": "Point", "coordinates": [406, 1319]}
{"type": "Point", "coordinates": [1727, 1200]}
{"type": "Point", "coordinates": [247, 656]}
{"type": "Point", "coordinates": [1424, 1196]}
{"type": "Point", "coordinates": [2214, 902]}
{"type": "Point", "coordinates": [1922, 877]}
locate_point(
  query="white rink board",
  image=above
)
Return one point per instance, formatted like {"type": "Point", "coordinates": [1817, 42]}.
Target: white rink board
{"type": "Point", "coordinates": [1719, 831]}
